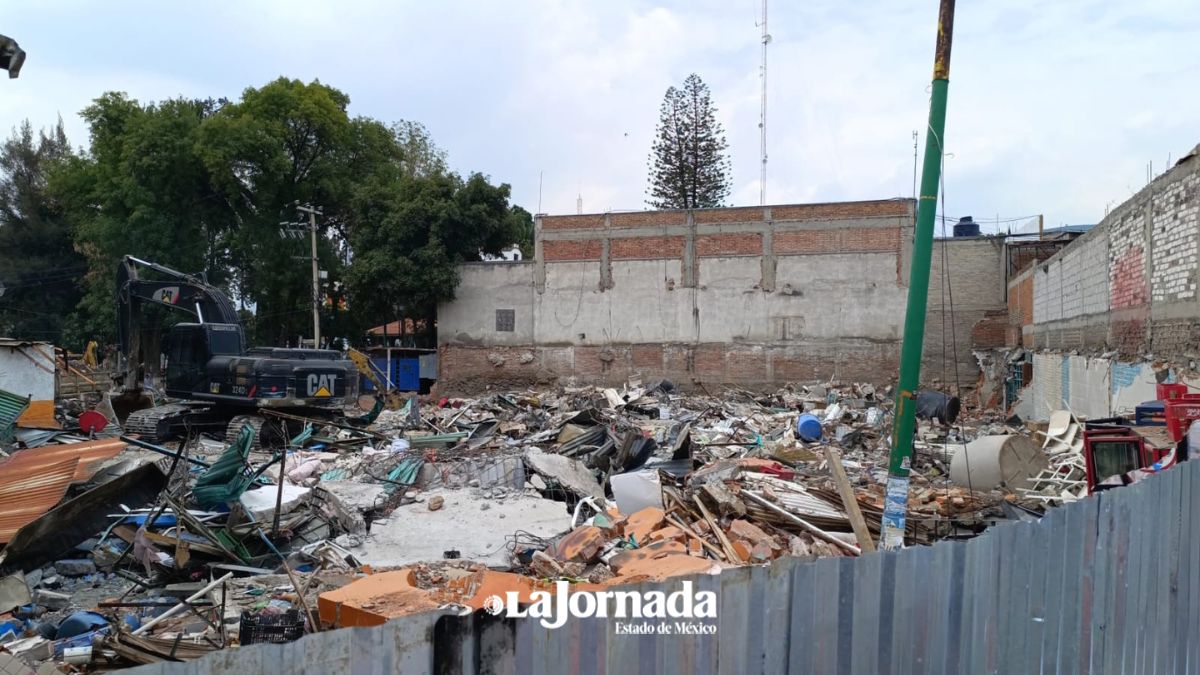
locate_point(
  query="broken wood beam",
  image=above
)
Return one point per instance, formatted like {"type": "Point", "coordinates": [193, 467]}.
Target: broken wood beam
{"type": "Point", "coordinates": [849, 501]}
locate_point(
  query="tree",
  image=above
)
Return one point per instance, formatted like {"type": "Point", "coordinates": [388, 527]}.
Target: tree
{"type": "Point", "coordinates": [688, 165]}
{"type": "Point", "coordinates": [284, 142]}
{"type": "Point", "coordinates": [39, 266]}
{"type": "Point", "coordinates": [420, 156]}
{"type": "Point", "coordinates": [142, 190]}
{"type": "Point", "coordinates": [412, 232]}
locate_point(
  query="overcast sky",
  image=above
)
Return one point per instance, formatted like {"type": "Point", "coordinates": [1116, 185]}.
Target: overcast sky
{"type": "Point", "coordinates": [1055, 107]}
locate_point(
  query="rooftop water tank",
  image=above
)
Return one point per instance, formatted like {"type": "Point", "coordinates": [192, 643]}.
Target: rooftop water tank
{"type": "Point", "coordinates": [966, 227]}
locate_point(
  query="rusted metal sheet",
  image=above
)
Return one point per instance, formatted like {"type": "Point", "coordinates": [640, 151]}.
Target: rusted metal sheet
{"type": "Point", "coordinates": [25, 495]}
{"type": "Point", "coordinates": [33, 481]}
{"type": "Point", "coordinates": [55, 532]}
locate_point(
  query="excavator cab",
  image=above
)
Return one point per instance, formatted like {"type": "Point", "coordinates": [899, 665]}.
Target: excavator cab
{"type": "Point", "coordinates": [189, 348]}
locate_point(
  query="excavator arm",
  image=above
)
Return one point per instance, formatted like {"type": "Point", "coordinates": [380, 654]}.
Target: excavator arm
{"type": "Point", "coordinates": [372, 373]}
{"type": "Point", "coordinates": [178, 291]}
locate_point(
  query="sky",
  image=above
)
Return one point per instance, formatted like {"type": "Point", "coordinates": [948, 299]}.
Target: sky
{"type": "Point", "coordinates": [1055, 108]}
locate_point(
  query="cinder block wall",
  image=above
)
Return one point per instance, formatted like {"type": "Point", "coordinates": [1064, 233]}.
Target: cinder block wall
{"type": "Point", "coordinates": [1129, 285]}
{"type": "Point", "coordinates": [755, 296]}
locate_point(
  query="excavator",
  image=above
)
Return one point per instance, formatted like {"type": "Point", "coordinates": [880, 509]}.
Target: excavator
{"type": "Point", "coordinates": [218, 381]}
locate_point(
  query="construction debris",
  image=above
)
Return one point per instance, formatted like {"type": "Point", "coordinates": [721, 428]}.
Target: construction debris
{"type": "Point", "coordinates": [143, 553]}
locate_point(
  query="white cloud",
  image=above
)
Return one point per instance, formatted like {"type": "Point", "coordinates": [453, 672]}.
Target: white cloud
{"type": "Point", "coordinates": [1054, 107]}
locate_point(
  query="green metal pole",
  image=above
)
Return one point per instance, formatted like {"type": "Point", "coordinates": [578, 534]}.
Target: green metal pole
{"type": "Point", "coordinates": [896, 505]}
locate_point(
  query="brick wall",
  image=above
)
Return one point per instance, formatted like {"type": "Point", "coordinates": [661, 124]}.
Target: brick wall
{"type": "Point", "coordinates": [754, 296]}
{"type": "Point", "coordinates": [1130, 284]}
{"type": "Point", "coordinates": [749, 243]}
{"type": "Point", "coordinates": [468, 368]}
{"type": "Point", "coordinates": [1020, 309]}
{"type": "Point", "coordinates": [966, 308]}
{"type": "Point", "coordinates": [627, 230]}
{"type": "Point", "coordinates": [648, 248]}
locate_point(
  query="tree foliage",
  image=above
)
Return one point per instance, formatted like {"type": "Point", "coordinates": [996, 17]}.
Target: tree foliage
{"type": "Point", "coordinates": [688, 165]}
{"type": "Point", "coordinates": [203, 186]}
{"type": "Point", "coordinates": [39, 266]}
{"type": "Point", "coordinates": [415, 230]}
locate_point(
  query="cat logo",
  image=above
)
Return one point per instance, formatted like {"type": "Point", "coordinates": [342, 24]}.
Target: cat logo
{"type": "Point", "coordinates": [321, 386]}
{"type": "Point", "coordinates": [167, 296]}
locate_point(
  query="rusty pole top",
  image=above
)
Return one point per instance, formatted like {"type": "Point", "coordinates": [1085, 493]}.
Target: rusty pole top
{"type": "Point", "coordinates": [945, 31]}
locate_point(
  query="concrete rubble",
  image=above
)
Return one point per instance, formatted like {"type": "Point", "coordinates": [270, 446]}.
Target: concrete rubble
{"type": "Point", "coordinates": [460, 499]}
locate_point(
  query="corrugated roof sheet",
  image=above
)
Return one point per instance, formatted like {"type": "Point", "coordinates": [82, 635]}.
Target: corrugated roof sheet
{"type": "Point", "coordinates": [33, 481]}
{"type": "Point", "coordinates": [11, 407]}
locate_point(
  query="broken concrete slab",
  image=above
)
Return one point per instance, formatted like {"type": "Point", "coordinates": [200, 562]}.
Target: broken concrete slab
{"type": "Point", "coordinates": [569, 473]}
{"type": "Point", "coordinates": [487, 472]}
{"type": "Point", "coordinates": [413, 533]}
{"type": "Point", "coordinates": [51, 600]}
{"type": "Point", "coordinates": [261, 503]}
{"type": "Point", "coordinates": [362, 497]}
{"type": "Point", "coordinates": [14, 592]}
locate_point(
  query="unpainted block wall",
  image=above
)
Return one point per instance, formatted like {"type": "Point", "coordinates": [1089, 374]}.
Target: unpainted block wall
{"type": "Point", "coordinates": [1129, 285]}
{"type": "Point", "coordinates": [754, 296]}
{"type": "Point", "coordinates": [966, 276]}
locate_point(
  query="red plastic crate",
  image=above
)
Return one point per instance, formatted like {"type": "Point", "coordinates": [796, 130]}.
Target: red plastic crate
{"type": "Point", "coordinates": [1171, 392]}
{"type": "Point", "coordinates": [1180, 415]}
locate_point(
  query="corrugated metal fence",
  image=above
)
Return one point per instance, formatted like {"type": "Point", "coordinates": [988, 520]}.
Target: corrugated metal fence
{"type": "Point", "coordinates": [1109, 584]}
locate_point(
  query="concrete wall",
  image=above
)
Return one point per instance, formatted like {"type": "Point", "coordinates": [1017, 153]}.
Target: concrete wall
{"type": "Point", "coordinates": [752, 296]}
{"type": "Point", "coordinates": [755, 296]}
{"type": "Point", "coordinates": [27, 369]}
{"type": "Point", "coordinates": [1093, 387]}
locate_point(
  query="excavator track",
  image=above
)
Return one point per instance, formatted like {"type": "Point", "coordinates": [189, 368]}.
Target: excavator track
{"type": "Point", "coordinates": [154, 424]}
{"type": "Point", "coordinates": [255, 422]}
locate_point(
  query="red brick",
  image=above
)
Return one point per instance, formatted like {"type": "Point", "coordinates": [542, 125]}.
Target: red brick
{"type": "Point", "coordinates": [748, 243]}
{"type": "Point", "coordinates": [591, 221]}
{"type": "Point", "coordinates": [647, 219]}
{"type": "Point", "coordinates": [648, 357]}
{"type": "Point", "coordinates": [871, 239]}
{"type": "Point", "coordinates": [646, 248]}
{"type": "Point", "coordinates": [808, 241]}
{"type": "Point", "coordinates": [585, 249]}
{"type": "Point", "coordinates": [748, 214]}
{"type": "Point", "coordinates": [890, 207]}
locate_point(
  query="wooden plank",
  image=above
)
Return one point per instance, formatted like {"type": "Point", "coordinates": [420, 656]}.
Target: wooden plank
{"type": "Point", "coordinates": [849, 502]}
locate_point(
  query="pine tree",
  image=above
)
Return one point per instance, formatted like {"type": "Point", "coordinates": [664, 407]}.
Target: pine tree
{"type": "Point", "coordinates": [688, 165]}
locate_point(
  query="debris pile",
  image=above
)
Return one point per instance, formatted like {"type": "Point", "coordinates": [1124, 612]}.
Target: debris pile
{"type": "Point", "coordinates": [143, 552]}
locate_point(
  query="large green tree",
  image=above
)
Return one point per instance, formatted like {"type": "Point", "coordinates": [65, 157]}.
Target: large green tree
{"type": "Point", "coordinates": [689, 167]}
{"type": "Point", "coordinates": [142, 190]}
{"type": "Point", "coordinates": [413, 231]}
{"type": "Point", "coordinates": [203, 186]}
{"type": "Point", "coordinates": [39, 267]}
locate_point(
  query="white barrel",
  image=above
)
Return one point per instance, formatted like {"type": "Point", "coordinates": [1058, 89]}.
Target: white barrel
{"type": "Point", "coordinates": [1007, 462]}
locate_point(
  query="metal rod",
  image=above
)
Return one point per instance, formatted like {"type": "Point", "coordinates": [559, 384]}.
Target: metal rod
{"type": "Point", "coordinates": [904, 424]}
{"type": "Point", "coordinates": [808, 527]}
{"type": "Point", "coordinates": [163, 451]}
{"type": "Point", "coordinates": [170, 612]}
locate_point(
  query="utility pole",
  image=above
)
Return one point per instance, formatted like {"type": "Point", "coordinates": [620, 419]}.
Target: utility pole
{"type": "Point", "coordinates": [292, 229]}
{"type": "Point", "coordinates": [899, 464]}
{"type": "Point", "coordinates": [762, 119]}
